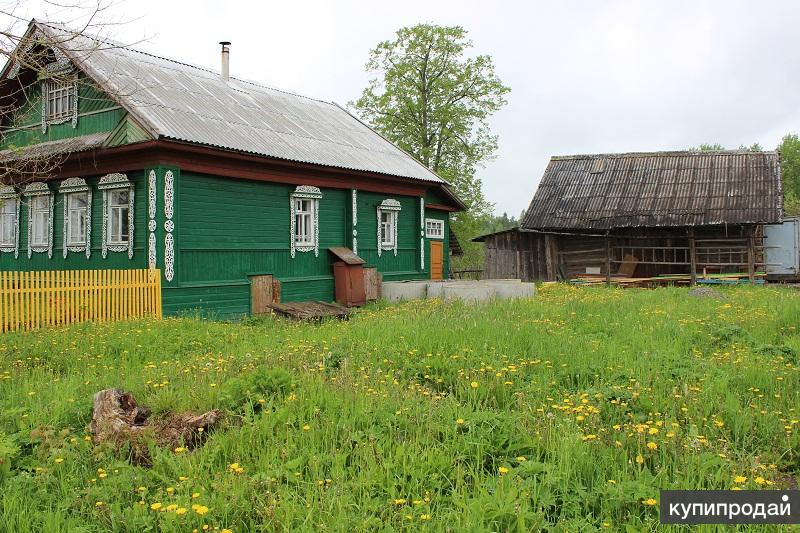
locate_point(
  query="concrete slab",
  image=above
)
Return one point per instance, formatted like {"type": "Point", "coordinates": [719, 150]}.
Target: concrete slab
{"type": "Point", "coordinates": [507, 289]}
{"type": "Point", "coordinates": [466, 290]}
{"type": "Point", "coordinates": [396, 291]}
{"type": "Point", "coordinates": [467, 293]}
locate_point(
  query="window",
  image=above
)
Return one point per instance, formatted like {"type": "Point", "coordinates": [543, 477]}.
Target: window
{"type": "Point", "coordinates": [434, 229]}
{"type": "Point", "coordinates": [117, 214]}
{"type": "Point", "coordinates": [77, 215]}
{"type": "Point", "coordinates": [8, 222]}
{"type": "Point", "coordinates": [388, 225]}
{"type": "Point", "coordinates": [388, 213]}
{"type": "Point", "coordinates": [60, 100]}
{"type": "Point", "coordinates": [40, 221]}
{"type": "Point", "coordinates": [118, 211]}
{"type": "Point", "coordinates": [39, 202]}
{"type": "Point", "coordinates": [304, 232]}
{"type": "Point", "coordinates": [304, 204]}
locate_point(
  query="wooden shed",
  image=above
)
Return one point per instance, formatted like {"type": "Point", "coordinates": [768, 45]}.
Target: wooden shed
{"type": "Point", "coordinates": [663, 216]}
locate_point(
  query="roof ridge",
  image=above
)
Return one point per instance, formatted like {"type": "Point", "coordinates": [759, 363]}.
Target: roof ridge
{"type": "Point", "coordinates": [118, 44]}
{"type": "Point", "coordinates": [665, 153]}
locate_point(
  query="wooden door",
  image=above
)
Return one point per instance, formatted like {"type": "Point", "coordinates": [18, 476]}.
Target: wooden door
{"type": "Point", "coordinates": [437, 259]}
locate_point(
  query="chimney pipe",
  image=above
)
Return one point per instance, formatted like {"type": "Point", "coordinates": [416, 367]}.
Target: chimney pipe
{"type": "Point", "coordinates": [225, 60]}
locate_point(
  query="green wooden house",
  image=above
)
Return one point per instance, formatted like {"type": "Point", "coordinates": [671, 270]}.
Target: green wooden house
{"type": "Point", "coordinates": [212, 179]}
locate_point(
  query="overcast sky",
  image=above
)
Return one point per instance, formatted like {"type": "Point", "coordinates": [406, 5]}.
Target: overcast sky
{"type": "Point", "coordinates": [585, 77]}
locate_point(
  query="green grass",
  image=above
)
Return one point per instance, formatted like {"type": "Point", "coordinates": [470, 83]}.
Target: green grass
{"type": "Point", "coordinates": [516, 416]}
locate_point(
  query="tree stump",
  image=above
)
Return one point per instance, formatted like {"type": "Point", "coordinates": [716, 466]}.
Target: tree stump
{"type": "Point", "coordinates": [116, 418]}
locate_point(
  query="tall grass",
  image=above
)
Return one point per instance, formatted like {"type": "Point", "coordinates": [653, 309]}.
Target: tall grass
{"type": "Point", "coordinates": [567, 412]}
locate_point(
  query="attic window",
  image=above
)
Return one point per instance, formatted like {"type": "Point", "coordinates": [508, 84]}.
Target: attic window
{"type": "Point", "coordinates": [59, 101]}
{"type": "Point", "coordinates": [598, 166]}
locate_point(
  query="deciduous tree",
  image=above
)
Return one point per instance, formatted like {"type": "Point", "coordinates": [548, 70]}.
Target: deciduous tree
{"type": "Point", "coordinates": [433, 99]}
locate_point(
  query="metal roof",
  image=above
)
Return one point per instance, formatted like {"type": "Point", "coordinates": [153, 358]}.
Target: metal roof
{"type": "Point", "coordinates": [54, 148]}
{"type": "Point", "coordinates": [183, 102]}
{"type": "Point", "coordinates": [607, 191]}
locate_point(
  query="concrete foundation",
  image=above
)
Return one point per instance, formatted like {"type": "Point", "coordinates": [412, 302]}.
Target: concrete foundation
{"type": "Point", "coordinates": [469, 291]}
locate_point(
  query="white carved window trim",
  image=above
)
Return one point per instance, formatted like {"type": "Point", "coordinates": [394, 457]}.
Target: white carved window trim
{"type": "Point", "coordinates": [431, 231]}
{"type": "Point", "coordinates": [66, 88]}
{"type": "Point", "coordinates": [8, 194]}
{"type": "Point", "coordinates": [107, 184]}
{"type": "Point", "coordinates": [67, 188]}
{"type": "Point", "coordinates": [305, 192]}
{"type": "Point", "coordinates": [392, 207]}
{"type": "Point", "coordinates": [35, 190]}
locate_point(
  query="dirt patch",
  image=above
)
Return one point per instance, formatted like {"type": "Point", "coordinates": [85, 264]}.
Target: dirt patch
{"type": "Point", "coordinates": [118, 419]}
{"type": "Point", "coordinates": [705, 292]}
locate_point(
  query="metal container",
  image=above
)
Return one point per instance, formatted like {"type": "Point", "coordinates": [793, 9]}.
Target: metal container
{"type": "Point", "coordinates": [782, 249]}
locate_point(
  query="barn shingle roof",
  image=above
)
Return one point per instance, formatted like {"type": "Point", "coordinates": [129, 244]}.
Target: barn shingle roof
{"type": "Point", "coordinates": [607, 191]}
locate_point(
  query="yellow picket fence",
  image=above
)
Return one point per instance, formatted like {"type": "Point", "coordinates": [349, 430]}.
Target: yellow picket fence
{"type": "Point", "coordinates": [30, 300]}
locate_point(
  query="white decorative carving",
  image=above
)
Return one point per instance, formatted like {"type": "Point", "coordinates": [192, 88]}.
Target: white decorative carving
{"type": "Point", "coordinates": [169, 226]}
{"type": "Point", "coordinates": [114, 181]}
{"type": "Point", "coordinates": [38, 38]}
{"type": "Point", "coordinates": [151, 195]}
{"type": "Point", "coordinates": [72, 185]}
{"type": "Point", "coordinates": [8, 194]}
{"type": "Point", "coordinates": [355, 221]}
{"type": "Point", "coordinates": [106, 183]}
{"type": "Point", "coordinates": [169, 257]}
{"type": "Point", "coordinates": [151, 250]}
{"type": "Point", "coordinates": [312, 193]}
{"type": "Point", "coordinates": [392, 206]}
{"type": "Point", "coordinates": [307, 191]}
{"type": "Point", "coordinates": [151, 214]}
{"type": "Point", "coordinates": [39, 188]}
{"type": "Point", "coordinates": [169, 194]}
{"type": "Point", "coordinates": [422, 233]}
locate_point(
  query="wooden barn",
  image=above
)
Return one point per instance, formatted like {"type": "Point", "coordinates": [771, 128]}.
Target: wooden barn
{"type": "Point", "coordinates": [217, 181]}
{"type": "Point", "coordinates": [644, 218]}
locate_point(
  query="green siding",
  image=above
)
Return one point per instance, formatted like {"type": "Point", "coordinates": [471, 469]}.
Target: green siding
{"type": "Point", "coordinates": [97, 112]}
{"type": "Point", "coordinates": [78, 260]}
{"type": "Point", "coordinates": [406, 265]}
{"type": "Point", "coordinates": [227, 230]}
{"type": "Point", "coordinates": [232, 229]}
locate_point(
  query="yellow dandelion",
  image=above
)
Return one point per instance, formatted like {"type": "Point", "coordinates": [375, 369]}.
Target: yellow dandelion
{"type": "Point", "coordinates": [649, 501]}
{"type": "Point", "coordinates": [99, 504]}
{"type": "Point", "coordinates": [740, 479]}
{"type": "Point", "coordinates": [474, 384]}
{"type": "Point", "coordinates": [425, 517]}
{"type": "Point", "coordinates": [180, 449]}
{"type": "Point", "coordinates": [639, 459]}
{"type": "Point", "coordinates": [652, 446]}
{"type": "Point", "coordinates": [180, 511]}
{"type": "Point", "coordinates": [306, 427]}
{"type": "Point", "coordinates": [503, 470]}
{"type": "Point", "coordinates": [760, 480]}
{"type": "Point", "coordinates": [59, 460]}
{"type": "Point", "coordinates": [155, 506]}
{"type": "Point", "coordinates": [460, 421]}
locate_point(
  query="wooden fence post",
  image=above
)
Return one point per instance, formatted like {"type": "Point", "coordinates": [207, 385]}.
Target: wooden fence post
{"type": "Point", "coordinates": [608, 259]}
{"type": "Point", "coordinates": [692, 257]}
